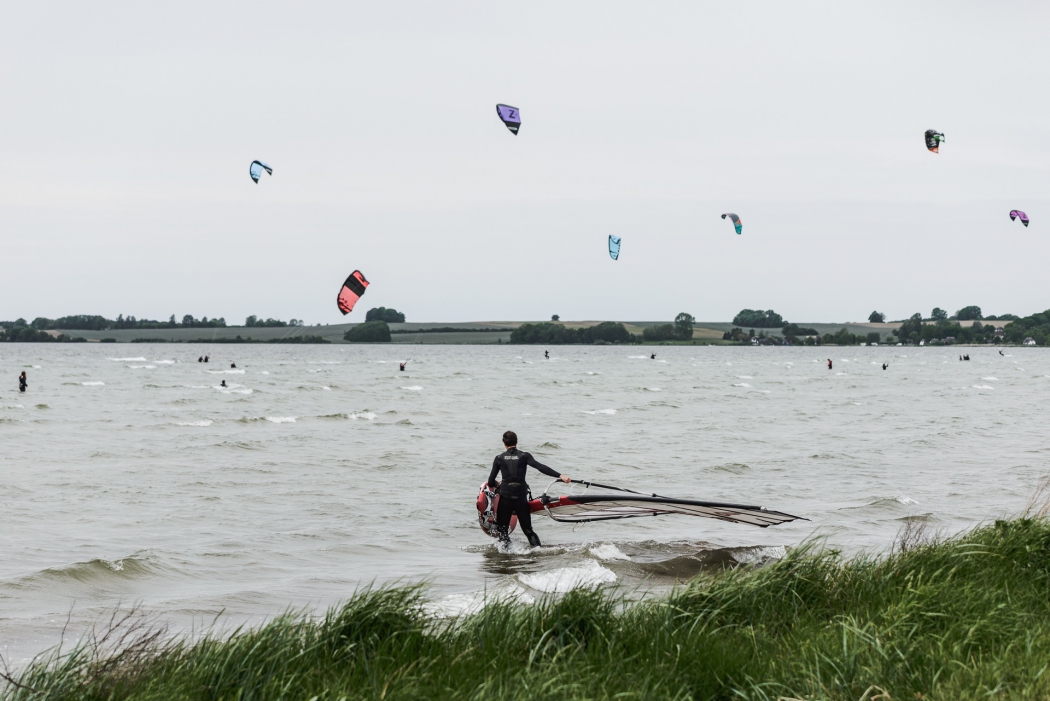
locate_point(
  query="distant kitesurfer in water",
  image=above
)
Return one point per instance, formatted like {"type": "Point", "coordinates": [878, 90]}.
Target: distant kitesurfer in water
{"type": "Point", "coordinates": [829, 363]}
{"type": "Point", "coordinates": [1001, 353]}
{"type": "Point", "coordinates": [514, 490]}
{"type": "Point", "coordinates": [652, 357]}
{"type": "Point", "coordinates": [547, 355]}
{"type": "Point", "coordinates": [885, 365]}
{"type": "Point", "coordinates": [223, 383]}
{"type": "Point", "coordinates": [205, 358]}
{"type": "Point", "coordinates": [233, 365]}
{"type": "Point", "coordinates": [403, 366]}
{"type": "Point", "coordinates": [200, 358]}
{"type": "Point", "coordinates": [22, 384]}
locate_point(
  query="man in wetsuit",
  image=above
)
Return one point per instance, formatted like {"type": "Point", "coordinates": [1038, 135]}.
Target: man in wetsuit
{"type": "Point", "coordinates": [513, 491]}
{"type": "Point", "coordinates": [22, 383]}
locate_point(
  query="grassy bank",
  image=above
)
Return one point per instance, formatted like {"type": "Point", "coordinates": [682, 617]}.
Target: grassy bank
{"type": "Point", "coordinates": [964, 618]}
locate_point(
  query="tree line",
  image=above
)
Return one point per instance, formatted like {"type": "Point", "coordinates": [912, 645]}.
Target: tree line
{"type": "Point", "coordinates": [94, 322]}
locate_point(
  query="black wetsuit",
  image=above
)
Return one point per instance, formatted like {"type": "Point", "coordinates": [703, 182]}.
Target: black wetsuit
{"type": "Point", "coordinates": [514, 499]}
{"type": "Point", "coordinates": [22, 384]}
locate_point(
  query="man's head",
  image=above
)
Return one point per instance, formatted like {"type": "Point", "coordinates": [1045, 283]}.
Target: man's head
{"type": "Point", "coordinates": [510, 439]}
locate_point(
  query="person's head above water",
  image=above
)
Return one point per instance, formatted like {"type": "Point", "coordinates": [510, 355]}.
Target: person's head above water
{"type": "Point", "coordinates": [510, 439]}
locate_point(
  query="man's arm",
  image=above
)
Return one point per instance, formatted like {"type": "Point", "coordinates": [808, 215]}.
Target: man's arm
{"type": "Point", "coordinates": [529, 460]}
{"type": "Point", "coordinates": [495, 471]}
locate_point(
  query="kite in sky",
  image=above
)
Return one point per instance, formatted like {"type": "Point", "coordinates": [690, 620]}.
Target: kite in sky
{"type": "Point", "coordinates": [256, 170]}
{"type": "Point", "coordinates": [1018, 214]}
{"type": "Point", "coordinates": [614, 247]}
{"type": "Point", "coordinates": [736, 222]}
{"type": "Point", "coordinates": [510, 116]}
{"type": "Point", "coordinates": [351, 291]}
{"type": "Point", "coordinates": [933, 140]}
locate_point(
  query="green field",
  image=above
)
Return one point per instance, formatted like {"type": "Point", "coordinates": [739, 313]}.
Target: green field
{"type": "Point", "coordinates": [962, 618]}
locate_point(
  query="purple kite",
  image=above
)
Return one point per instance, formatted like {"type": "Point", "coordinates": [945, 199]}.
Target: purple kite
{"type": "Point", "coordinates": [510, 116]}
{"type": "Point", "coordinates": [1018, 214]}
{"type": "Point", "coordinates": [351, 291]}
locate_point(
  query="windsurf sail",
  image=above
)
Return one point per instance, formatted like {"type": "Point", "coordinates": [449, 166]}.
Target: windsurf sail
{"type": "Point", "coordinates": [351, 291]}
{"type": "Point", "coordinates": [627, 503]}
{"type": "Point", "coordinates": [614, 247]}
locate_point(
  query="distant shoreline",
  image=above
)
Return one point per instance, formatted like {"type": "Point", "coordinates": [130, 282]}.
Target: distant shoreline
{"type": "Point", "coordinates": [418, 333]}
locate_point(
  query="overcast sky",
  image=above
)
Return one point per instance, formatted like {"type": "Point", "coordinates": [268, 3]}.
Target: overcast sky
{"type": "Point", "coordinates": [127, 128]}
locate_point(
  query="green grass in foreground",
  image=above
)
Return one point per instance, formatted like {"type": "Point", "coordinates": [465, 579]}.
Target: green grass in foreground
{"type": "Point", "coordinates": [964, 618]}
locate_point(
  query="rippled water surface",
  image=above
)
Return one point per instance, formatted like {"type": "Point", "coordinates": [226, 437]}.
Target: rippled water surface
{"type": "Point", "coordinates": [128, 474]}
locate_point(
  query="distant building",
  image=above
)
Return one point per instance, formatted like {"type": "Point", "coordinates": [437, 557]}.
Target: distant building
{"type": "Point", "coordinates": [1029, 341]}
{"type": "Point", "coordinates": [999, 331]}
{"type": "Point", "coordinates": [948, 340]}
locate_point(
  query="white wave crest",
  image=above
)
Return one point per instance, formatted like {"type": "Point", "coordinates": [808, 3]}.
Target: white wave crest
{"type": "Point", "coordinates": [143, 367]}
{"type": "Point", "coordinates": [983, 387]}
{"type": "Point", "coordinates": [93, 384]}
{"type": "Point", "coordinates": [741, 384]}
{"type": "Point", "coordinates": [225, 372]}
{"type": "Point", "coordinates": [990, 379]}
{"type": "Point", "coordinates": [202, 422]}
{"type": "Point", "coordinates": [601, 411]}
{"type": "Point", "coordinates": [469, 603]}
{"type": "Point", "coordinates": [413, 388]}
{"type": "Point", "coordinates": [744, 377]}
{"type": "Point", "coordinates": [281, 419]}
{"type": "Point", "coordinates": [905, 500]}
{"type": "Point", "coordinates": [564, 579]}
{"type": "Point", "coordinates": [608, 551]}
{"type": "Point", "coordinates": [366, 415]}
{"type": "Point", "coordinates": [127, 360]}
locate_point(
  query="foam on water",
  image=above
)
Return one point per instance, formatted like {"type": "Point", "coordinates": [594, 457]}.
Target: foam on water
{"type": "Point", "coordinates": [413, 388]}
{"type": "Point", "coordinates": [589, 573]}
{"type": "Point", "coordinates": [983, 387]}
{"type": "Point", "coordinates": [468, 603]}
{"type": "Point", "coordinates": [231, 371]}
{"type": "Point", "coordinates": [127, 360]}
{"type": "Point", "coordinates": [281, 419]}
{"type": "Point", "coordinates": [608, 551]}
{"type": "Point", "coordinates": [93, 384]}
{"type": "Point", "coordinates": [202, 422]}
{"type": "Point", "coordinates": [601, 411]}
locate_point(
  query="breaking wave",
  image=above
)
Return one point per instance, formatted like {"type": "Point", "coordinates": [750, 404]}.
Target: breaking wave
{"type": "Point", "coordinates": [587, 574]}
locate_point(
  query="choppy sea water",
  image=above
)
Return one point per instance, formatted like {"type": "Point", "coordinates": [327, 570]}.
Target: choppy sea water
{"type": "Point", "coordinates": [128, 474]}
